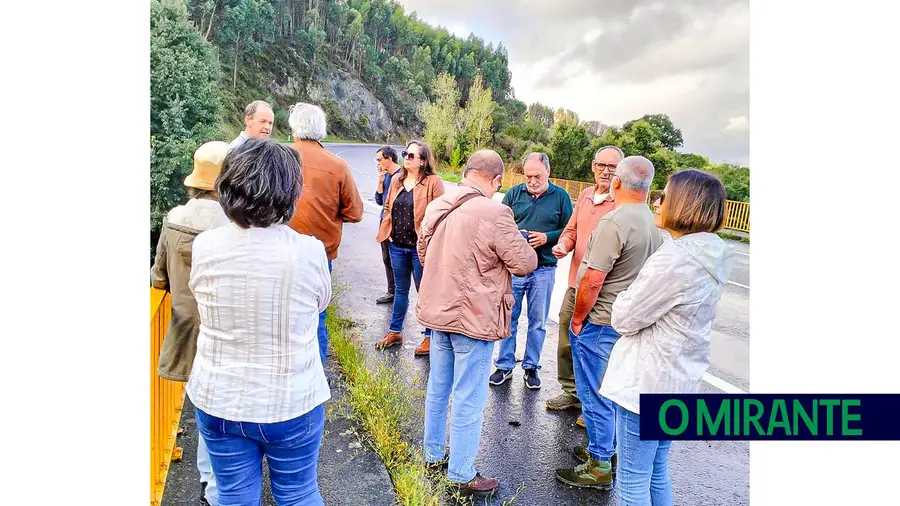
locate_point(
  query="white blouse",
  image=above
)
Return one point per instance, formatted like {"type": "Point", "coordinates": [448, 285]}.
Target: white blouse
{"type": "Point", "coordinates": [665, 319]}
{"type": "Point", "coordinates": [259, 292]}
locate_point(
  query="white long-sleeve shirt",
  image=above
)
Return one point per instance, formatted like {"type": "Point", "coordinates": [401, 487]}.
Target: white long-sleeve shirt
{"type": "Point", "coordinates": [259, 293]}
{"type": "Point", "coordinates": [665, 320]}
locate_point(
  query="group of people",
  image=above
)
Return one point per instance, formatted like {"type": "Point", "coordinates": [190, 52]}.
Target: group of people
{"type": "Point", "coordinates": [636, 316]}
{"type": "Point", "coordinates": [248, 262]}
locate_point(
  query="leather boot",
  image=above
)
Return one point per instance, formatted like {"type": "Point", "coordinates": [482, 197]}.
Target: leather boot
{"type": "Point", "coordinates": [424, 348]}
{"type": "Point", "coordinates": [389, 340]}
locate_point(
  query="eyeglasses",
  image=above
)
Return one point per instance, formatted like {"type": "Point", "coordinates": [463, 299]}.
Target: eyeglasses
{"type": "Point", "coordinates": [378, 160]}
{"type": "Point", "coordinates": [409, 156]}
{"type": "Point", "coordinates": [662, 197]}
{"type": "Point", "coordinates": [604, 167]}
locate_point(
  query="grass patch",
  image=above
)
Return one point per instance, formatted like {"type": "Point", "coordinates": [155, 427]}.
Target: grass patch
{"type": "Point", "coordinates": [382, 401]}
{"type": "Point", "coordinates": [734, 237]}
{"type": "Point", "coordinates": [339, 140]}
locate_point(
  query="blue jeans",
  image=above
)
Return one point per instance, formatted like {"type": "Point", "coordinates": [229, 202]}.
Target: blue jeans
{"type": "Point", "coordinates": [206, 473]}
{"type": "Point", "coordinates": [290, 447]}
{"type": "Point", "coordinates": [537, 287]}
{"type": "Point", "coordinates": [323, 331]}
{"type": "Point", "coordinates": [590, 356]}
{"type": "Point", "coordinates": [643, 473]}
{"type": "Point", "coordinates": [460, 366]}
{"type": "Point", "coordinates": [405, 264]}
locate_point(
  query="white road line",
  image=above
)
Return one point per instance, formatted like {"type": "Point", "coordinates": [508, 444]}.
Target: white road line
{"type": "Point", "coordinates": [740, 253]}
{"type": "Point", "coordinates": [721, 384]}
{"type": "Point", "coordinates": [738, 284]}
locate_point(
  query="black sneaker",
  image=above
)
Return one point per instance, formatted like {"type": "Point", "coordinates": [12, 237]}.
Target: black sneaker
{"type": "Point", "coordinates": [532, 380]}
{"type": "Point", "coordinates": [500, 376]}
{"type": "Point", "coordinates": [203, 501]}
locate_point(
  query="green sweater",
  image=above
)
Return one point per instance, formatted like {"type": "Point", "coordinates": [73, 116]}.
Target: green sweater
{"type": "Point", "coordinates": [548, 213]}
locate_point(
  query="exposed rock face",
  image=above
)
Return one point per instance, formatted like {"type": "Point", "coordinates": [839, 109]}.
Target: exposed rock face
{"type": "Point", "coordinates": [361, 115]}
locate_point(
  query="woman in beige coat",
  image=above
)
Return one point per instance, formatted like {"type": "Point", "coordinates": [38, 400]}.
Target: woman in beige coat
{"type": "Point", "coordinates": [172, 270]}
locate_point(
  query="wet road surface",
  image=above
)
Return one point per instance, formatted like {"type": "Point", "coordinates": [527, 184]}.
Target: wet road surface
{"type": "Point", "coordinates": [524, 456]}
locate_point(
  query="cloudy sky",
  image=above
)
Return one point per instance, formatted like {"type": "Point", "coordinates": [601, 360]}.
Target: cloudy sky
{"type": "Point", "coordinates": [616, 60]}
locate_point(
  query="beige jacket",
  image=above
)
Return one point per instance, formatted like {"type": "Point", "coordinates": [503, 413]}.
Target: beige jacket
{"type": "Point", "coordinates": [171, 272]}
{"type": "Point", "coordinates": [466, 285]}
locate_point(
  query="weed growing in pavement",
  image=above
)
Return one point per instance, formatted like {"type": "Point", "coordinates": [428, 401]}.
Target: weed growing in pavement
{"type": "Point", "coordinates": [385, 404]}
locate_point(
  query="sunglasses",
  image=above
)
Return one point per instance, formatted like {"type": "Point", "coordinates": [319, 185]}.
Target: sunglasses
{"type": "Point", "coordinates": [409, 156]}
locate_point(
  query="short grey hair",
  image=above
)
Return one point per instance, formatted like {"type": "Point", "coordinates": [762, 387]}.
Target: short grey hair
{"type": "Point", "coordinates": [614, 148]}
{"type": "Point", "coordinates": [543, 157]}
{"type": "Point", "coordinates": [307, 122]}
{"type": "Point", "coordinates": [252, 107]}
{"type": "Point", "coordinates": [636, 173]}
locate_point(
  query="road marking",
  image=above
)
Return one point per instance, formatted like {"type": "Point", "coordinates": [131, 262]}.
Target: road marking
{"type": "Point", "coordinates": [721, 384]}
{"type": "Point", "coordinates": [738, 284]}
{"type": "Point", "coordinates": [745, 254]}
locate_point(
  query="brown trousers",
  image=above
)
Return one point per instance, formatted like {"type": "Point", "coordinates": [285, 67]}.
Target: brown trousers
{"type": "Point", "coordinates": [565, 369]}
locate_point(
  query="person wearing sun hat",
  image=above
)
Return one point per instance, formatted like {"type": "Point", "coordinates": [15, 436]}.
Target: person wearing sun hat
{"type": "Point", "coordinates": [171, 272]}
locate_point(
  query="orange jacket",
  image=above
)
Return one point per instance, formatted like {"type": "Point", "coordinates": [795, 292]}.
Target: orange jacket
{"type": "Point", "coordinates": [329, 198]}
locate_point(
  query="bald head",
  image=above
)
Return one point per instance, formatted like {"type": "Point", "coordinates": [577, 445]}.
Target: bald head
{"type": "Point", "coordinates": [486, 162]}
{"type": "Point", "coordinates": [485, 168]}
{"type": "Point", "coordinates": [636, 173]}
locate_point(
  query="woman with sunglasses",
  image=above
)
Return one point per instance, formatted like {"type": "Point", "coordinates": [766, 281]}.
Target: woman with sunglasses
{"type": "Point", "coordinates": [665, 321]}
{"type": "Point", "coordinates": [413, 187]}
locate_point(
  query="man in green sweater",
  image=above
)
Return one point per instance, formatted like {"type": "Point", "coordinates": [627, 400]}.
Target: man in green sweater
{"type": "Point", "coordinates": [541, 210]}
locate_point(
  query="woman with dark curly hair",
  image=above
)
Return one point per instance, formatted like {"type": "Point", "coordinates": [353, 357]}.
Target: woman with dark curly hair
{"type": "Point", "coordinates": [257, 381]}
{"type": "Point", "coordinates": [413, 187]}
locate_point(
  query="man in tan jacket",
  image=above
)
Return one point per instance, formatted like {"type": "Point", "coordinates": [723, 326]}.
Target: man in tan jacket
{"type": "Point", "coordinates": [330, 197]}
{"type": "Point", "coordinates": [470, 247]}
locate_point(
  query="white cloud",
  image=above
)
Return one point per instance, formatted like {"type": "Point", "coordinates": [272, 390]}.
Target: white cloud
{"type": "Point", "coordinates": [616, 60]}
{"type": "Point", "coordinates": [738, 124]}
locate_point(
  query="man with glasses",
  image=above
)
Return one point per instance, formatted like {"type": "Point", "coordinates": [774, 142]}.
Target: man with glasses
{"type": "Point", "coordinates": [541, 210]}
{"type": "Point", "coordinates": [593, 204]}
{"type": "Point", "coordinates": [386, 162]}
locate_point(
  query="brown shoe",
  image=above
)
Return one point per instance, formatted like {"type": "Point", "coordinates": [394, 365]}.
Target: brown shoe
{"type": "Point", "coordinates": [480, 486]}
{"type": "Point", "coordinates": [424, 348]}
{"type": "Point", "coordinates": [389, 340]}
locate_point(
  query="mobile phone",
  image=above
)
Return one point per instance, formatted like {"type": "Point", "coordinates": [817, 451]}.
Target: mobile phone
{"type": "Point", "coordinates": [524, 233]}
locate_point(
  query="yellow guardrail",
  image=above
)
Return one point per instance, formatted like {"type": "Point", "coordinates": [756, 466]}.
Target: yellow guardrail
{"type": "Point", "coordinates": [166, 399]}
{"type": "Point", "coordinates": [737, 214]}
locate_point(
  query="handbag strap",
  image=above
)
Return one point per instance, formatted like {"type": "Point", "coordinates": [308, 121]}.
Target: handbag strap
{"type": "Point", "coordinates": [465, 198]}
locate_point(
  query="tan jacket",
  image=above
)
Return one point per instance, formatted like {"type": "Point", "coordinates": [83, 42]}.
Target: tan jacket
{"type": "Point", "coordinates": [468, 266]}
{"type": "Point", "coordinates": [171, 272]}
{"type": "Point", "coordinates": [425, 191]}
{"type": "Point", "coordinates": [329, 198]}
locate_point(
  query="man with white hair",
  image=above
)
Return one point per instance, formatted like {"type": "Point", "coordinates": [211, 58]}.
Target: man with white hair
{"type": "Point", "coordinates": [330, 197]}
{"type": "Point", "coordinates": [258, 123]}
{"type": "Point", "coordinates": [620, 244]}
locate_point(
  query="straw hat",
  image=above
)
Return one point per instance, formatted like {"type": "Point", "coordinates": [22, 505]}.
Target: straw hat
{"type": "Point", "coordinates": [207, 165]}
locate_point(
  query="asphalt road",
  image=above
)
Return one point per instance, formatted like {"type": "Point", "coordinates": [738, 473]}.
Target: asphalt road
{"type": "Point", "coordinates": [524, 456]}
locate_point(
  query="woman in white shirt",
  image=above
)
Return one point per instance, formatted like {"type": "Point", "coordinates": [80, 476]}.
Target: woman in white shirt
{"type": "Point", "coordinates": [665, 320]}
{"type": "Point", "coordinates": [257, 381]}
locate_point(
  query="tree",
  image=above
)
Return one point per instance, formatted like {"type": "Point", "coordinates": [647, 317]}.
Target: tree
{"type": "Point", "coordinates": [244, 29]}
{"type": "Point", "coordinates": [441, 117]}
{"type": "Point", "coordinates": [569, 144]}
{"type": "Point", "coordinates": [477, 117]}
{"type": "Point", "coordinates": [562, 114]}
{"type": "Point", "coordinates": [595, 128]}
{"type": "Point", "coordinates": [184, 106]}
{"type": "Point", "coordinates": [515, 111]}
{"type": "Point", "coordinates": [664, 129]}
{"type": "Point", "coordinates": [541, 113]}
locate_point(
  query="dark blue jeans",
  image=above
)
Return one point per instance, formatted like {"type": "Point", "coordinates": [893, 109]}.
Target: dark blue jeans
{"type": "Point", "coordinates": [323, 331]}
{"type": "Point", "coordinates": [406, 265]}
{"type": "Point", "coordinates": [236, 450]}
{"type": "Point", "coordinates": [590, 356]}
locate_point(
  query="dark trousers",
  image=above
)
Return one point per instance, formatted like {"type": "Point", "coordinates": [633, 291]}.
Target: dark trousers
{"type": "Point", "coordinates": [386, 258]}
